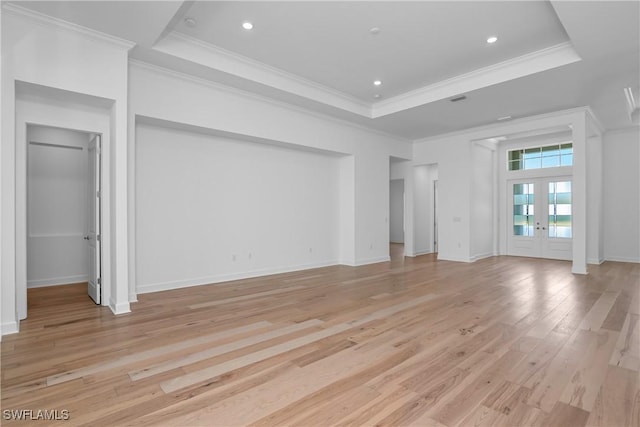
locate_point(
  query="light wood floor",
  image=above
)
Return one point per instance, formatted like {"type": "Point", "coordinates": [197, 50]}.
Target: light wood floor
{"type": "Point", "coordinates": [500, 342]}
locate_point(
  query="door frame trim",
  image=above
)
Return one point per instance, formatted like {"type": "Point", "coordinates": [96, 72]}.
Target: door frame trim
{"type": "Point", "coordinates": [38, 112]}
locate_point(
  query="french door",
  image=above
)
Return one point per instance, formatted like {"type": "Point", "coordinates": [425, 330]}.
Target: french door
{"type": "Point", "coordinates": [540, 218]}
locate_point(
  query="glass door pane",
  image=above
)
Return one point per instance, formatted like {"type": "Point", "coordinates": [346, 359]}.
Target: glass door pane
{"type": "Point", "coordinates": [560, 209]}
{"type": "Point", "coordinates": [523, 210]}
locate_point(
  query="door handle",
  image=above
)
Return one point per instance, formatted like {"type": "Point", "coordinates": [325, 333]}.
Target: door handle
{"type": "Point", "coordinates": [87, 238]}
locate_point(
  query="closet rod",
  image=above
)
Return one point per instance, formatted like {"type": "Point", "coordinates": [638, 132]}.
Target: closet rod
{"type": "Point", "coordinates": [46, 144]}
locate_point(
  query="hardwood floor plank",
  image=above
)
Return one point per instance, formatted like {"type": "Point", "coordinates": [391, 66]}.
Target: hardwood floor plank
{"type": "Point", "coordinates": [618, 313]}
{"type": "Point", "coordinates": [310, 402]}
{"type": "Point", "coordinates": [595, 318]}
{"type": "Point", "coordinates": [453, 410]}
{"type": "Point", "coordinates": [244, 297]}
{"type": "Point", "coordinates": [617, 397]}
{"type": "Point", "coordinates": [589, 374]}
{"type": "Point", "coordinates": [79, 373]}
{"type": "Point", "coordinates": [564, 415]}
{"type": "Point", "coordinates": [548, 383]}
{"type": "Point", "coordinates": [627, 350]}
{"type": "Point", "coordinates": [484, 417]}
{"type": "Point", "coordinates": [193, 357]}
{"type": "Point", "coordinates": [256, 403]}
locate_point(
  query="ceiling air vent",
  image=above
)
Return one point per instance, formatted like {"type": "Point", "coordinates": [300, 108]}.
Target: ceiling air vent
{"type": "Point", "coordinates": [458, 98]}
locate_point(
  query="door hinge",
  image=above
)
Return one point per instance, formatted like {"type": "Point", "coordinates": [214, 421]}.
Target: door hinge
{"type": "Point", "coordinates": [99, 281]}
{"type": "Point", "coordinates": [98, 238]}
{"type": "Point", "coordinates": [98, 195]}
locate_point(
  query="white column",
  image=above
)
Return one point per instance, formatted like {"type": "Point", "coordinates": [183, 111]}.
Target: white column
{"type": "Point", "coordinates": [579, 194]}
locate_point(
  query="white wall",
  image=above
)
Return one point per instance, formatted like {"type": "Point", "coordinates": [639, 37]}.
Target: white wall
{"type": "Point", "coordinates": [57, 206]}
{"type": "Point", "coordinates": [621, 155]}
{"type": "Point", "coordinates": [212, 208]}
{"type": "Point", "coordinates": [482, 213]}
{"type": "Point", "coordinates": [163, 95]}
{"type": "Point", "coordinates": [396, 211]}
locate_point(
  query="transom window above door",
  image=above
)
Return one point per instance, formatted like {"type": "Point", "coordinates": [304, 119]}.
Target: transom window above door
{"type": "Point", "coordinates": [548, 156]}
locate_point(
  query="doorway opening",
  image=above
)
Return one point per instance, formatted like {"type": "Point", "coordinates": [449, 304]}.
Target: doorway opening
{"type": "Point", "coordinates": [63, 209]}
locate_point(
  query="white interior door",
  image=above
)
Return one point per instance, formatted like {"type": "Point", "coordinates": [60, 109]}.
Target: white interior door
{"type": "Point", "coordinates": [540, 218]}
{"type": "Point", "coordinates": [93, 232]}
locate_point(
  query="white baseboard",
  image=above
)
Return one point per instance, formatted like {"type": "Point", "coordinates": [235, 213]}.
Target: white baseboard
{"type": "Point", "coordinates": [579, 270]}
{"type": "Point", "coordinates": [481, 256]}
{"type": "Point", "coordinates": [350, 262]}
{"type": "Point", "coordinates": [55, 281]}
{"type": "Point", "coordinates": [199, 281]}
{"type": "Point", "coordinates": [422, 252]}
{"type": "Point", "coordinates": [622, 259]}
{"type": "Point", "coordinates": [9, 328]}
{"type": "Point", "coordinates": [120, 308]}
{"type": "Point", "coordinates": [446, 258]}
{"type": "Point", "coordinates": [373, 260]}
{"type": "Point", "coordinates": [595, 261]}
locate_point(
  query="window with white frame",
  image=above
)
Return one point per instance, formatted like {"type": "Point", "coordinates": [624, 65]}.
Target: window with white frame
{"type": "Point", "coordinates": [548, 156]}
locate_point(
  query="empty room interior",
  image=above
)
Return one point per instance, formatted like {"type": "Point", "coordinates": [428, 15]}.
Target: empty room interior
{"type": "Point", "coordinates": [318, 213]}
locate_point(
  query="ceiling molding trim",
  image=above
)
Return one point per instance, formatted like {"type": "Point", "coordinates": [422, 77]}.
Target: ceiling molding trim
{"type": "Point", "coordinates": [531, 63]}
{"type": "Point", "coordinates": [257, 97]}
{"type": "Point", "coordinates": [46, 20]}
{"type": "Point", "coordinates": [493, 129]}
{"type": "Point", "coordinates": [624, 129]}
{"type": "Point", "coordinates": [599, 129]}
{"type": "Point", "coordinates": [191, 49]}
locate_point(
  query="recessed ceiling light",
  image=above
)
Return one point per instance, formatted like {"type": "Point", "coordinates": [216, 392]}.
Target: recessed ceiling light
{"type": "Point", "coordinates": [492, 39]}
{"type": "Point", "coordinates": [190, 22]}
{"type": "Point", "coordinates": [247, 25]}
{"type": "Point", "coordinates": [374, 30]}
{"type": "Point", "coordinates": [504, 118]}
{"type": "Point", "coordinates": [377, 82]}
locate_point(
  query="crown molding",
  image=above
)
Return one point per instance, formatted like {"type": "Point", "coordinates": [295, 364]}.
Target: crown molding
{"type": "Point", "coordinates": [50, 21]}
{"type": "Point", "coordinates": [531, 63]}
{"type": "Point", "coordinates": [257, 97]}
{"type": "Point", "coordinates": [624, 129]}
{"type": "Point", "coordinates": [200, 52]}
{"type": "Point", "coordinates": [599, 128]}
{"type": "Point", "coordinates": [498, 127]}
